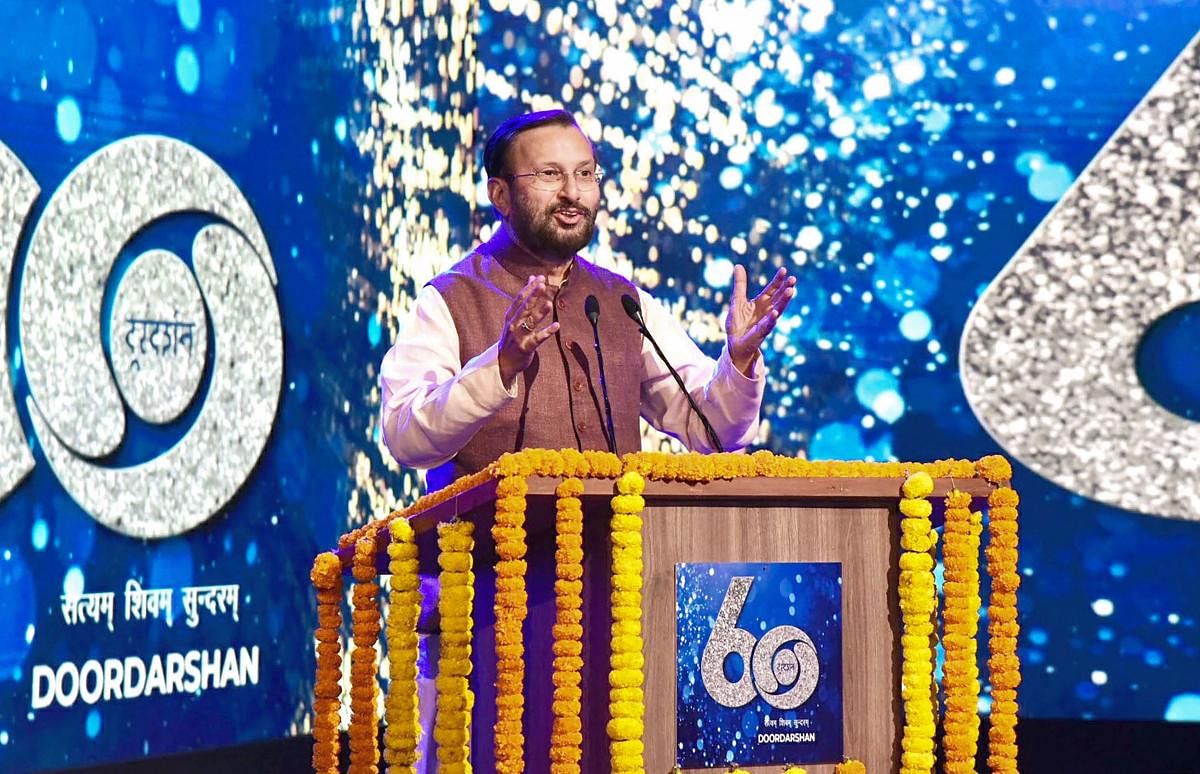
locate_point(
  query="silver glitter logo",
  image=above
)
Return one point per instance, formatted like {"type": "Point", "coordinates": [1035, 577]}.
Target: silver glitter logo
{"type": "Point", "coordinates": [768, 665]}
{"type": "Point", "coordinates": [1048, 353]}
{"type": "Point", "coordinates": [158, 334]}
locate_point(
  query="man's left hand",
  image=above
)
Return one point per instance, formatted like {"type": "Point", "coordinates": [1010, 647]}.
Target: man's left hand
{"type": "Point", "coordinates": [749, 321]}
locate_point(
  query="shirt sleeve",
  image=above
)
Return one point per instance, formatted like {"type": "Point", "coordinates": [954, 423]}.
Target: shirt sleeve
{"type": "Point", "coordinates": [431, 405]}
{"type": "Point", "coordinates": [729, 398]}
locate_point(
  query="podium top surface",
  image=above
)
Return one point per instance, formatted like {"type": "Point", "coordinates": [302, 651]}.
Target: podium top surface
{"type": "Point", "coordinates": [755, 490]}
{"type": "Point", "coordinates": [751, 491]}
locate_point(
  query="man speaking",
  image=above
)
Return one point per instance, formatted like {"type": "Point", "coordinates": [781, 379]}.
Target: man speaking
{"type": "Point", "coordinates": [504, 350]}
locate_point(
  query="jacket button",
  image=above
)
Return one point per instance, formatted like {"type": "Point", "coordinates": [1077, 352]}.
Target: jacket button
{"type": "Point", "coordinates": [583, 427]}
{"type": "Point", "coordinates": [562, 304]}
{"type": "Point", "coordinates": [578, 386]}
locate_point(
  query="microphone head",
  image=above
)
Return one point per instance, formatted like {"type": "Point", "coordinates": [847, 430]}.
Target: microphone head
{"type": "Point", "coordinates": [632, 308]}
{"type": "Point", "coordinates": [591, 307]}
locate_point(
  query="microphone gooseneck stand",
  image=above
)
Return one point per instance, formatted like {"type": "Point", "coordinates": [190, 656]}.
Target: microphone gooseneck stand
{"type": "Point", "coordinates": [634, 310]}
{"type": "Point", "coordinates": [591, 307]}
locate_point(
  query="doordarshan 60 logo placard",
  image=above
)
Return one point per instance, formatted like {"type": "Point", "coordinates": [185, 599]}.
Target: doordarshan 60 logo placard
{"type": "Point", "coordinates": [159, 320]}
{"type": "Point", "coordinates": [759, 649]}
{"type": "Point", "coordinates": [770, 664]}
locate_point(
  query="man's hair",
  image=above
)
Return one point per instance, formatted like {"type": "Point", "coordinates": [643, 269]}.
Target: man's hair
{"type": "Point", "coordinates": [495, 153]}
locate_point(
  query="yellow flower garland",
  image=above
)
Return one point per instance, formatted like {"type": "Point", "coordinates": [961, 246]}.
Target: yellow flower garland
{"type": "Point", "coordinates": [512, 600]}
{"type": "Point", "coordinates": [404, 607]}
{"type": "Point", "coordinates": [326, 579]}
{"type": "Point", "coordinates": [364, 688]}
{"type": "Point", "coordinates": [1003, 664]}
{"type": "Point", "coordinates": [452, 720]}
{"type": "Point", "coordinates": [692, 467]}
{"type": "Point", "coordinates": [566, 739]}
{"type": "Point", "coordinates": [850, 767]}
{"type": "Point", "coordinates": [627, 703]}
{"type": "Point", "coordinates": [918, 600]}
{"type": "Point", "coordinates": [960, 617]}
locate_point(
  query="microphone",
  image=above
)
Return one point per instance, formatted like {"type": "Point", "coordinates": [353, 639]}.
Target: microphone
{"type": "Point", "coordinates": [634, 310]}
{"type": "Point", "coordinates": [591, 307]}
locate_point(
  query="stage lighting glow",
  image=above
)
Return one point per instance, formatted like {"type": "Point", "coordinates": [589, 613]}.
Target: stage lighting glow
{"type": "Point", "coordinates": [916, 325]}
{"type": "Point", "coordinates": [68, 120]}
{"type": "Point", "coordinates": [187, 69]}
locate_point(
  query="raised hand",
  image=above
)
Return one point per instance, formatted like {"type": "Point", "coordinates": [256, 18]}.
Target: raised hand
{"type": "Point", "coordinates": [523, 332]}
{"type": "Point", "coordinates": [749, 321]}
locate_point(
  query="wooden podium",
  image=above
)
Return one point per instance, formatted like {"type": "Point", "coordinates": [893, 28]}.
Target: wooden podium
{"type": "Point", "coordinates": [848, 520]}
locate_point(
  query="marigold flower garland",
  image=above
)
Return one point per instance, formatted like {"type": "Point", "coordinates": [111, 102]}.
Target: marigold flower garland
{"type": "Point", "coordinates": [661, 466]}
{"type": "Point", "coordinates": [960, 620]}
{"type": "Point", "coordinates": [918, 601]}
{"type": "Point", "coordinates": [452, 720]}
{"type": "Point", "coordinates": [850, 766]}
{"type": "Point", "coordinates": [508, 532]}
{"type": "Point", "coordinates": [566, 738]}
{"type": "Point", "coordinates": [692, 467]}
{"type": "Point", "coordinates": [627, 703]}
{"type": "Point", "coordinates": [404, 607]}
{"type": "Point", "coordinates": [326, 577]}
{"type": "Point", "coordinates": [464, 484]}
{"type": "Point", "coordinates": [1003, 664]}
{"type": "Point", "coordinates": [364, 631]}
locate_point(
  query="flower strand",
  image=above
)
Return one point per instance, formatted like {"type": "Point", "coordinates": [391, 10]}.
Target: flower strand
{"type": "Point", "coordinates": [960, 625]}
{"type": "Point", "coordinates": [364, 688]}
{"type": "Point", "coordinates": [511, 603]}
{"type": "Point", "coordinates": [566, 738]}
{"type": "Point", "coordinates": [404, 608]}
{"type": "Point", "coordinates": [326, 579]}
{"type": "Point", "coordinates": [452, 719]}
{"type": "Point", "coordinates": [626, 699]}
{"type": "Point", "coordinates": [918, 601]}
{"type": "Point", "coordinates": [1003, 664]}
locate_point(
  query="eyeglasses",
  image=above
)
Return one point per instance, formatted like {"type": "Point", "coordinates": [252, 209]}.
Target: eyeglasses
{"type": "Point", "coordinates": [551, 179]}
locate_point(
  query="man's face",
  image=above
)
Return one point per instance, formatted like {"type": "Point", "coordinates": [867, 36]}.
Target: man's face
{"type": "Point", "coordinates": [552, 224]}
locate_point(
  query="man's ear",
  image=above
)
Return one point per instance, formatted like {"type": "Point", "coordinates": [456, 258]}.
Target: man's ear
{"type": "Point", "coordinates": [499, 194]}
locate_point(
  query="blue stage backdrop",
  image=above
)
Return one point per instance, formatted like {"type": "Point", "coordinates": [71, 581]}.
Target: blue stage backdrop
{"type": "Point", "coordinates": [214, 215]}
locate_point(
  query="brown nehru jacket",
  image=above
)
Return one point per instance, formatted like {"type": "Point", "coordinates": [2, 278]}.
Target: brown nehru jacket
{"type": "Point", "coordinates": [559, 403]}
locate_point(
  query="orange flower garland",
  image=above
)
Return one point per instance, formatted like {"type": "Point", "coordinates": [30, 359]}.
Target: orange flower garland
{"type": "Point", "coordinates": [961, 616]}
{"type": "Point", "coordinates": [364, 688]}
{"type": "Point", "coordinates": [326, 579]}
{"type": "Point", "coordinates": [512, 600]}
{"type": "Point", "coordinates": [1003, 664]}
{"type": "Point", "coordinates": [918, 601]}
{"type": "Point", "coordinates": [627, 703]}
{"type": "Point", "coordinates": [404, 607]}
{"type": "Point", "coordinates": [566, 737]}
{"type": "Point", "coordinates": [452, 720]}
{"type": "Point", "coordinates": [423, 503]}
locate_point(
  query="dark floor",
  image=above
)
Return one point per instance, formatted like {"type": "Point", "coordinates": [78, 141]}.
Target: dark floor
{"type": "Point", "coordinates": [1051, 746]}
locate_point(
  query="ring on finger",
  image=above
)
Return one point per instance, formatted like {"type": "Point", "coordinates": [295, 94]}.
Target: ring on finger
{"type": "Point", "coordinates": [525, 325]}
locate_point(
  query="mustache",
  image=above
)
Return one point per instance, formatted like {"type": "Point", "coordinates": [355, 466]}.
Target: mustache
{"type": "Point", "coordinates": [571, 208]}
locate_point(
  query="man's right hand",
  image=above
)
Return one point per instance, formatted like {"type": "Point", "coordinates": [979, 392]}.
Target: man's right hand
{"type": "Point", "coordinates": [523, 332]}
